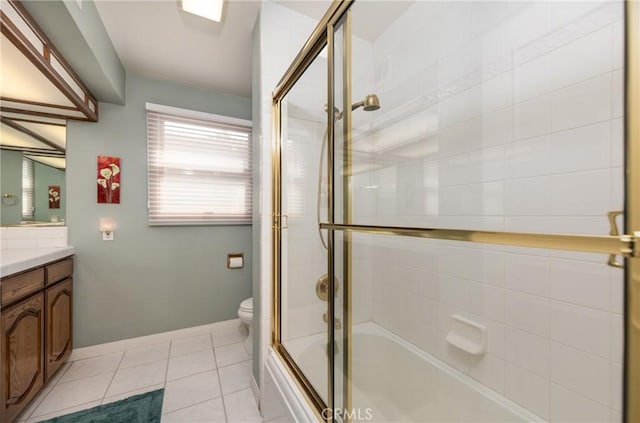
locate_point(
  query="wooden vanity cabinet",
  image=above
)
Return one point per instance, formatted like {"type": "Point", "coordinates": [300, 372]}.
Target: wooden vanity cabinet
{"type": "Point", "coordinates": [58, 336]}
{"type": "Point", "coordinates": [36, 330]}
{"type": "Point", "coordinates": [22, 359]}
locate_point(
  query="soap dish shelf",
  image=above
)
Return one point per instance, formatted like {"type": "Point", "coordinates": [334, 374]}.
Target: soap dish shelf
{"type": "Point", "coordinates": [467, 335]}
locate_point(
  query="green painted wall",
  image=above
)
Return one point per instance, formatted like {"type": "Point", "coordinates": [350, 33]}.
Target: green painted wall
{"type": "Point", "coordinates": [149, 279]}
{"type": "Point", "coordinates": [11, 183]}
{"type": "Point", "coordinates": [44, 176]}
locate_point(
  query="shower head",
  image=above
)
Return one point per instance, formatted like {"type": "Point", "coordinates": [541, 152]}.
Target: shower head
{"type": "Point", "coordinates": [369, 104]}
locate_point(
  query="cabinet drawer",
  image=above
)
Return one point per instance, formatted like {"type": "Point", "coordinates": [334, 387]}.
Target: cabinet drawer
{"type": "Point", "coordinates": [59, 270]}
{"type": "Point", "coordinates": [20, 286]}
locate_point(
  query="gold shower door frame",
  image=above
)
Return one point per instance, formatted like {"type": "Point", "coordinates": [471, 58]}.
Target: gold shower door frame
{"type": "Point", "coordinates": [626, 245]}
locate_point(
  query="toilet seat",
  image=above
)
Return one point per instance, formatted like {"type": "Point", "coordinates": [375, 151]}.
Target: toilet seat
{"type": "Point", "coordinates": [245, 313]}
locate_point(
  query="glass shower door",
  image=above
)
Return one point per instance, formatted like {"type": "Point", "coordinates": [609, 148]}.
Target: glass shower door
{"type": "Point", "coordinates": [495, 126]}
{"type": "Point", "coordinates": [303, 297]}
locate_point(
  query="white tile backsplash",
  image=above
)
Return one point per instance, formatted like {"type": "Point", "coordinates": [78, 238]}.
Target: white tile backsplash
{"type": "Point", "coordinates": [589, 193]}
{"type": "Point", "coordinates": [569, 369]}
{"type": "Point", "coordinates": [580, 283]}
{"type": "Point", "coordinates": [27, 237]}
{"type": "Point", "coordinates": [528, 312]}
{"type": "Point", "coordinates": [527, 389]}
{"type": "Point", "coordinates": [582, 104]}
{"type": "Point", "coordinates": [527, 350]}
{"type": "Point", "coordinates": [580, 327]}
{"type": "Point", "coordinates": [576, 61]}
{"type": "Point", "coordinates": [532, 79]}
{"type": "Point", "coordinates": [528, 274]}
{"type": "Point", "coordinates": [532, 118]}
{"type": "Point", "coordinates": [570, 406]}
{"type": "Point", "coordinates": [528, 196]}
{"type": "Point", "coordinates": [593, 142]}
{"type": "Point", "coordinates": [528, 158]}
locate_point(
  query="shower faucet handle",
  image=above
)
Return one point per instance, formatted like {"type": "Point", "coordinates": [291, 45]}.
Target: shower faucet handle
{"type": "Point", "coordinates": [337, 324]}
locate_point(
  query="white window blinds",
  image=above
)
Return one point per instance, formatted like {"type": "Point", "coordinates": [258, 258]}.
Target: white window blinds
{"type": "Point", "coordinates": [199, 168]}
{"type": "Point", "coordinates": [28, 191]}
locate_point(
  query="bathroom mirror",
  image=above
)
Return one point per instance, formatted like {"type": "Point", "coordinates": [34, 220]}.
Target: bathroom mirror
{"type": "Point", "coordinates": [33, 189]}
{"type": "Point", "coordinates": [39, 91]}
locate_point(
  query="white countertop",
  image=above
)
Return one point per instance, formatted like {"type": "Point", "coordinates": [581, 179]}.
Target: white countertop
{"type": "Point", "coordinates": [19, 259]}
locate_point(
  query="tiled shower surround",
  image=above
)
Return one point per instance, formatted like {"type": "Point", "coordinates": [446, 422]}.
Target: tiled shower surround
{"type": "Point", "coordinates": [499, 116]}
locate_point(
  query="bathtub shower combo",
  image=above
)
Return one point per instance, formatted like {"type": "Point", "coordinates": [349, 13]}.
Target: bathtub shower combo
{"type": "Point", "coordinates": [455, 192]}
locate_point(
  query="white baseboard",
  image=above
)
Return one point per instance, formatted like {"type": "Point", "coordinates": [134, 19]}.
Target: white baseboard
{"type": "Point", "coordinates": [110, 347]}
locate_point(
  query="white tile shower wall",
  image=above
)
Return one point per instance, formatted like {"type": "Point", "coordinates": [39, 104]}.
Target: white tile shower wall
{"type": "Point", "coordinates": [24, 237]}
{"type": "Point", "coordinates": [524, 105]}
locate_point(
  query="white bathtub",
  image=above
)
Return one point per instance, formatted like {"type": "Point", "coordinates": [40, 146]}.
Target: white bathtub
{"type": "Point", "coordinates": [401, 383]}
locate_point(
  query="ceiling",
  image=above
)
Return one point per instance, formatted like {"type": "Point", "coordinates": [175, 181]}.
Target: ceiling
{"type": "Point", "coordinates": [370, 17]}
{"type": "Point", "coordinates": [196, 51]}
{"type": "Point", "coordinates": [207, 54]}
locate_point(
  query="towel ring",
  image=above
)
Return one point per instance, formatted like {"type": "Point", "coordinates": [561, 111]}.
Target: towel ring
{"type": "Point", "coordinates": [10, 199]}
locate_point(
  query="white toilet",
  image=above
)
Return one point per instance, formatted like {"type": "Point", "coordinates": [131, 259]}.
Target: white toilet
{"type": "Point", "coordinates": [245, 313]}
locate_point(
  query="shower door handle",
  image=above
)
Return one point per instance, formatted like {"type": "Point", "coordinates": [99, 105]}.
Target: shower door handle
{"type": "Point", "coordinates": [613, 230]}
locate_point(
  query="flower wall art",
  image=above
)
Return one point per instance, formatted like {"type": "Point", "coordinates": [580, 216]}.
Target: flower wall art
{"type": "Point", "coordinates": [108, 179]}
{"type": "Point", "coordinates": [54, 196]}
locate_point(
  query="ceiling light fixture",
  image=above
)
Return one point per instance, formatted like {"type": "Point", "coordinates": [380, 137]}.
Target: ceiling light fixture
{"type": "Point", "coordinates": [209, 9]}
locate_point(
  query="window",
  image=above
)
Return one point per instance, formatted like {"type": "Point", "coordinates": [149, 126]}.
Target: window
{"type": "Point", "coordinates": [28, 194]}
{"type": "Point", "coordinates": [199, 168]}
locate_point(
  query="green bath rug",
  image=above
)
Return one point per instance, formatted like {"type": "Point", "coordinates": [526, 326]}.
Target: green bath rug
{"type": "Point", "coordinates": [143, 408]}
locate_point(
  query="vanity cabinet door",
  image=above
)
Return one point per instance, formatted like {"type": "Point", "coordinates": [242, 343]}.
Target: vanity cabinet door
{"type": "Point", "coordinates": [58, 338]}
{"type": "Point", "coordinates": [22, 369]}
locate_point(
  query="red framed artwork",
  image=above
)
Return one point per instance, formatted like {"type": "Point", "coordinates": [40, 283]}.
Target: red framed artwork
{"type": "Point", "coordinates": [108, 179]}
{"type": "Point", "coordinates": [54, 196]}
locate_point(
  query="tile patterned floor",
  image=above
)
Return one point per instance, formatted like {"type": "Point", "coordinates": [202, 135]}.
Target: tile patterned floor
{"type": "Point", "coordinates": [206, 379]}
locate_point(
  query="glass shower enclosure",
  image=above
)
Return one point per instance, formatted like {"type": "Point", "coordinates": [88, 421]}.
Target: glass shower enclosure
{"type": "Point", "coordinates": [455, 211]}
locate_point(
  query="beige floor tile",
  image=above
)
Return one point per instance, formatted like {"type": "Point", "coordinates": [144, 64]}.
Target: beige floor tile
{"type": "Point", "coordinates": [230, 354]}
{"type": "Point", "coordinates": [133, 378]}
{"type": "Point", "coordinates": [241, 407]}
{"type": "Point", "coordinates": [191, 364]}
{"type": "Point", "coordinates": [235, 377]}
{"type": "Point", "coordinates": [146, 354]}
{"type": "Point", "coordinates": [125, 395]}
{"type": "Point", "coordinates": [92, 367]}
{"type": "Point", "coordinates": [64, 411]}
{"type": "Point", "coordinates": [233, 337]}
{"type": "Point", "coordinates": [191, 345]}
{"type": "Point", "coordinates": [211, 411]}
{"type": "Point", "coordinates": [71, 394]}
{"type": "Point", "coordinates": [190, 390]}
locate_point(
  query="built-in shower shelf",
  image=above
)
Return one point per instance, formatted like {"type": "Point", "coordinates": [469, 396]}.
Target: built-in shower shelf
{"type": "Point", "coordinates": [467, 335]}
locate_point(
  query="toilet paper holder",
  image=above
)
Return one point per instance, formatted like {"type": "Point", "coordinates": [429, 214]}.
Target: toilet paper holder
{"type": "Point", "coordinates": [235, 261]}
